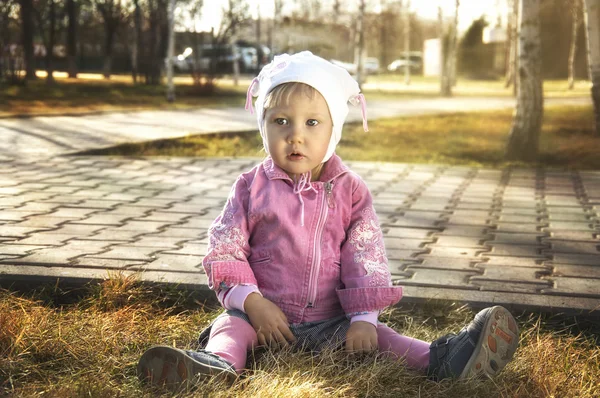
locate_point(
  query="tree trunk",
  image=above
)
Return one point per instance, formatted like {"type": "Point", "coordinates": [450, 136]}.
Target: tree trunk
{"type": "Point", "coordinates": [511, 67]}
{"type": "Point", "coordinates": [454, 46]}
{"type": "Point", "coordinates": [27, 37]}
{"type": "Point", "coordinates": [407, 42]}
{"type": "Point", "coordinates": [575, 8]}
{"type": "Point", "coordinates": [360, 43]}
{"type": "Point", "coordinates": [108, 47]}
{"type": "Point", "coordinates": [51, 40]}
{"type": "Point", "coordinates": [72, 39]}
{"type": "Point", "coordinates": [523, 140]}
{"type": "Point", "coordinates": [445, 58]}
{"type": "Point", "coordinates": [171, 53]}
{"type": "Point", "coordinates": [592, 8]}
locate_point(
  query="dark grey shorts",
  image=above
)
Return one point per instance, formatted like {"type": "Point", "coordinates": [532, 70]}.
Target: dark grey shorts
{"type": "Point", "coordinates": [311, 336]}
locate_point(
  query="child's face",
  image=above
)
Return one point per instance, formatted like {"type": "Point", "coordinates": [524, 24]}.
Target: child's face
{"type": "Point", "coordinates": [298, 133]}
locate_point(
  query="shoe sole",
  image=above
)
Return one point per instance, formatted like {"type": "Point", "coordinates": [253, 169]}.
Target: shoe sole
{"type": "Point", "coordinates": [172, 368]}
{"type": "Point", "coordinates": [497, 344]}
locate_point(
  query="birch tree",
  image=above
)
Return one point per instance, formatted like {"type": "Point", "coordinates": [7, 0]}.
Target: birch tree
{"type": "Point", "coordinates": [449, 40]}
{"type": "Point", "coordinates": [112, 12]}
{"type": "Point", "coordinates": [523, 141]}
{"type": "Point", "coordinates": [513, 31]}
{"type": "Point", "coordinates": [407, 42]}
{"type": "Point", "coordinates": [592, 20]}
{"type": "Point", "coordinates": [575, 12]}
{"type": "Point", "coordinates": [360, 43]}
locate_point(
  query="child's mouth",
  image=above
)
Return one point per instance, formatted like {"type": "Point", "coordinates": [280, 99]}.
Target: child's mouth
{"type": "Point", "coordinates": [295, 156]}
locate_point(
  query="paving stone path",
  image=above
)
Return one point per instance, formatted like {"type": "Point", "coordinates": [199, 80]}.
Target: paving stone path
{"type": "Point", "coordinates": [519, 237]}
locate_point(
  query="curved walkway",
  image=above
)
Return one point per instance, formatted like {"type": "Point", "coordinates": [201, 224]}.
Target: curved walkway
{"type": "Point", "coordinates": [519, 237]}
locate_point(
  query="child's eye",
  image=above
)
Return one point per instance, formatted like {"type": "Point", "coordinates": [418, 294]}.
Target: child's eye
{"type": "Point", "coordinates": [312, 122]}
{"type": "Point", "coordinates": [281, 121]}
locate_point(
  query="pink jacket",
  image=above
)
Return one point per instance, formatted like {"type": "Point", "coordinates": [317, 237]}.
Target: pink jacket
{"type": "Point", "coordinates": [334, 264]}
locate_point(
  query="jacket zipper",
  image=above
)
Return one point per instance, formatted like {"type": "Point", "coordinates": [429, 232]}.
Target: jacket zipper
{"type": "Point", "coordinates": [314, 270]}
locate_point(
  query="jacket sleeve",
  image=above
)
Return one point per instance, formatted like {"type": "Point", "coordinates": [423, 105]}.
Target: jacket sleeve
{"type": "Point", "coordinates": [364, 266]}
{"type": "Point", "coordinates": [226, 263]}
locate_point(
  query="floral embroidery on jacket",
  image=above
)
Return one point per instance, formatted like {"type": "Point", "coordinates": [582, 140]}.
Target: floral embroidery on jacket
{"type": "Point", "coordinates": [366, 238]}
{"type": "Point", "coordinates": [226, 239]}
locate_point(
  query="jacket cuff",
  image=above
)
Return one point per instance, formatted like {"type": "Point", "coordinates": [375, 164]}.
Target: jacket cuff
{"type": "Point", "coordinates": [236, 296]}
{"type": "Point", "coordinates": [368, 299]}
{"type": "Point", "coordinates": [226, 274]}
{"type": "Point", "coordinates": [370, 317]}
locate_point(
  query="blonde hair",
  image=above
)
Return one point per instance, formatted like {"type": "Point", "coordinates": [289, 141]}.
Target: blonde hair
{"type": "Point", "coordinates": [281, 94]}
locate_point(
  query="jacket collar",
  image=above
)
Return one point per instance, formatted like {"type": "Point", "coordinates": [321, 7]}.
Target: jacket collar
{"type": "Point", "coordinates": [333, 168]}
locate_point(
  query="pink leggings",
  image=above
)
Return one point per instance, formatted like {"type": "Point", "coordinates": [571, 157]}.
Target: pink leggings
{"type": "Point", "coordinates": [231, 338]}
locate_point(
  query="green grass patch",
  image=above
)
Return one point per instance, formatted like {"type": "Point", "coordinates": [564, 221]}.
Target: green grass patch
{"type": "Point", "coordinates": [471, 139]}
{"type": "Point", "coordinates": [86, 343]}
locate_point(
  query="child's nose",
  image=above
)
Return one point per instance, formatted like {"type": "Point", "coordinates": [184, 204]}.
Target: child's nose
{"type": "Point", "coordinates": [295, 136]}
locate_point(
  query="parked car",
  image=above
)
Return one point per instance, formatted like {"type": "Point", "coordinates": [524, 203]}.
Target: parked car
{"type": "Point", "coordinates": [222, 56]}
{"type": "Point", "coordinates": [370, 65]}
{"type": "Point", "coordinates": [414, 62]}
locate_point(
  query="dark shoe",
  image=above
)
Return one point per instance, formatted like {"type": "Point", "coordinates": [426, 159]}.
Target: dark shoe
{"type": "Point", "coordinates": [483, 348]}
{"type": "Point", "coordinates": [173, 368]}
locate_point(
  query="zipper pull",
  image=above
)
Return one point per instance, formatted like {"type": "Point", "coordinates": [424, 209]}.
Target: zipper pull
{"type": "Point", "coordinates": [328, 189]}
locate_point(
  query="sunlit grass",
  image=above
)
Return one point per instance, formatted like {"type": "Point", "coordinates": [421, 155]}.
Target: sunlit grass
{"type": "Point", "coordinates": [472, 139]}
{"type": "Point", "coordinates": [57, 343]}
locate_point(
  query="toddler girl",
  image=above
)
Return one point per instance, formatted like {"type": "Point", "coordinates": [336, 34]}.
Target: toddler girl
{"type": "Point", "coordinates": [297, 256]}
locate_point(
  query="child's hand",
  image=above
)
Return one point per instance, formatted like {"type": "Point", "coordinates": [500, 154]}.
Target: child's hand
{"type": "Point", "coordinates": [361, 337]}
{"type": "Point", "coordinates": [268, 320]}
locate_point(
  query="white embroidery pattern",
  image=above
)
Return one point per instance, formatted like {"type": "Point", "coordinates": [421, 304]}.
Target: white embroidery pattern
{"type": "Point", "coordinates": [366, 238]}
{"type": "Point", "coordinates": [226, 239]}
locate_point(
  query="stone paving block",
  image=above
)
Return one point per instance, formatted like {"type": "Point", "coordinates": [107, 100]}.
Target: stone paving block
{"type": "Point", "coordinates": [518, 228]}
{"type": "Point", "coordinates": [63, 254]}
{"type": "Point", "coordinates": [568, 225]}
{"type": "Point", "coordinates": [509, 274]}
{"type": "Point", "coordinates": [159, 215]}
{"type": "Point", "coordinates": [507, 211]}
{"type": "Point", "coordinates": [387, 209]}
{"type": "Point", "coordinates": [480, 214]}
{"type": "Point", "coordinates": [434, 277]}
{"type": "Point", "coordinates": [19, 249]}
{"type": "Point", "coordinates": [91, 194]}
{"type": "Point", "coordinates": [443, 263]}
{"type": "Point", "coordinates": [508, 261]}
{"type": "Point", "coordinates": [107, 263]}
{"type": "Point", "coordinates": [65, 190]}
{"type": "Point", "coordinates": [96, 204]}
{"type": "Point", "coordinates": [466, 220]}
{"type": "Point", "coordinates": [143, 226]}
{"type": "Point", "coordinates": [398, 267]}
{"type": "Point", "coordinates": [127, 210]}
{"type": "Point", "coordinates": [514, 250]}
{"type": "Point", "coordinates": [484, 206]}
{"type": "Point", "coordinates": [464, 230]}
{"type": "Point", "coordinates": [576, 259]}
{"type": "Point", "coordinates": [43, 221]}
{"type": "Point", "coordinates": [519, 204]}
{"type": "Point", "coordinates": [398, 254]}
{"type": "Point", "coordinates": [572, 235]}
{"type": "Point", "coordinates": [198, 223]}
{"type": "Point", "coordinates": [458, 252]}
{"type": "Point", "coordinates": [153, 203]}
{"type": "Point", "coordinates": [176, 232]}
{"type": "Point", "coordinates": [171, 262]}
{"type": "Point", "coordinates": [518, 218]}
{"type": "Point", "coordinates": [558, 200]}
{"type": "Point", "coordinates": [70, 212]}
{"type": "Point", "coordinates": [582, 287]}
{"type": "Point", "coordinates": [76, 230]}
{"type": "Point", "coordinates": [123, 197]}
{"type": "Point", "coordinates": [195, 206]}
{"type": "Point", "coordinates": [190, 248]}
{"type": "Point", "coordinates": [128, 252]}
{"type": "Point", "coordinates": [45, 239]}
{"type": "Point", "coordinates": [104, 219]}
{"type": "Point", "coordinates": [577, 247]}
{"type": "Point", "coordinates": [458, 241]}
{"type": "Point", "coordinates": [516, 238]}
{"type": "Point", "coordinates": [418, 222]}
{"type": "Point", "coordinates": [578, 218]}
{"type": "Point", "coordinates": [411, 233]}
{"type": "Point", "coordinates": [513, 286]}
{"type": "Point", "coordinates": [11, 191]}
{"type": "Point", "coordinates": [441, 206]}
{"type": "Point", "coordinates": [158, 242]}
{"type": "Point", "coordinates": [16, 215]}
{"type": "Point", "coordinates": [392, 243]}
{"type": "Point", "coordinates": [579, 271]}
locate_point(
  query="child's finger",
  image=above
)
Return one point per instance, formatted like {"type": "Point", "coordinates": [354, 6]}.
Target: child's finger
{"type": "Point", "coordinates": [287, 334]}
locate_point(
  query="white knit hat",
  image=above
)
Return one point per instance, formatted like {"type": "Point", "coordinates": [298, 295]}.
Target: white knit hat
{"type": "Point", "coordinates": [333, 82]}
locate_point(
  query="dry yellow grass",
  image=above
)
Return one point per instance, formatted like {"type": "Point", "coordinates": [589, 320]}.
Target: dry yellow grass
{"type": "Point", "coordinates": [86, 343]}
